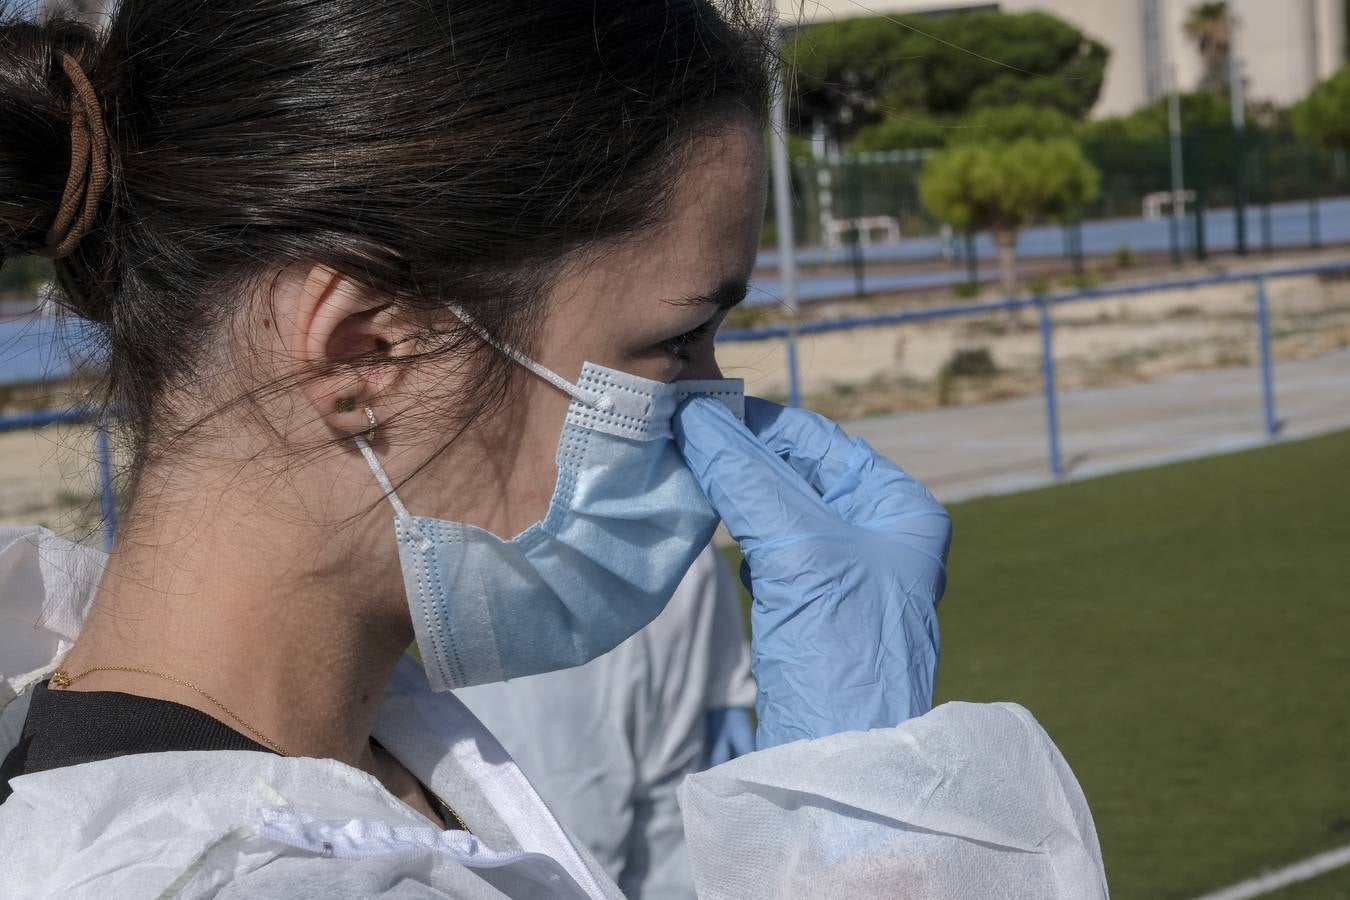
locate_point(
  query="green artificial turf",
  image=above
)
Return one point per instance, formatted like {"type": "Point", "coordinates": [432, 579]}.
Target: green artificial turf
{"type": "Point", "coordinates": [1183, 633]}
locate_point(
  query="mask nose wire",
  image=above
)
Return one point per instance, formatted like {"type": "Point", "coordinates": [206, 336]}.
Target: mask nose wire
{"type": "Point", "coordinates": [601, 402]}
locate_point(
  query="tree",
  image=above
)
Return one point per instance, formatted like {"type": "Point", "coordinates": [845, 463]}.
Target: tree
{"type": "Point", "coordinates": [1323, 117]}
{"type": "Point", "coordinates": [1207, 26]}
{"type": "Point", "coordinates": [993, 58]}
{"type": "Point", "coordinates": [908, 133]}
{"type": "Point", "coordinates": [1004, 187]}
{"type": "Point", "coordinates": [839, 70]}
{"type": "Point", "coordinates": [1006, 124]}
{"type": "Point", "coordinates": [904, 80]}
{"type": "Point", "coordinates": [992, 123]}
{"type": "Point", "coordinates": [1133, 150]}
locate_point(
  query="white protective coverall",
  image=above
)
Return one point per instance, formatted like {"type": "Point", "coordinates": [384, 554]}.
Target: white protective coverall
{"type": "Point", "coordinates": [608, 743]}
{"type": "Point", "coordinates": [971, 800]}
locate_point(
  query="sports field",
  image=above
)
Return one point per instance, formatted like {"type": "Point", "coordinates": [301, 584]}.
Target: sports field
{"type": "Point", "coordinates": [1184, 635]}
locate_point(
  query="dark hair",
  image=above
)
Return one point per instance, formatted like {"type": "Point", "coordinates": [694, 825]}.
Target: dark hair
{"type": "Point", "coordinates": [434, 149]}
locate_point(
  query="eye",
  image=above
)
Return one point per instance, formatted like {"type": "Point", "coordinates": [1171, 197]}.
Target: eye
{"type": "Point", "coordinates": [680, 345]}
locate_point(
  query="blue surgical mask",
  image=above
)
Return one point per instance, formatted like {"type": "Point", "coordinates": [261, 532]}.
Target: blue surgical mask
{"type": "Point", "coordinates": [626, 521]}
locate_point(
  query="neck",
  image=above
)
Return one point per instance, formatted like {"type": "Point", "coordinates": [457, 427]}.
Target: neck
{"type": "Point", "coordinates": [293, 627]}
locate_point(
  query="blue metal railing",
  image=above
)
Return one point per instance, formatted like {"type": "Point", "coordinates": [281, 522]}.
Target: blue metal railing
{"type": "Point", "coordinates": [1048, 380]}
{"type": "Point", "coordinates": [1015, 303]}
{"type": "Point", "coordinates": [1267, 366]}
{"type": "Point", "coordinates": [1042, 304]}
{"type": "Point", "coordinates": [43, 417]}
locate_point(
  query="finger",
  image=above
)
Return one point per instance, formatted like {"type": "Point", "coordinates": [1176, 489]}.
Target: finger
{"type": "Point", "coordinates": [860, 484]}
{"type": "Point", "coordinates": [826, 456]}
{"type": "Point", "coordinates": [816, 448]}
{"type": "Point", "coordinates": [758, 495]}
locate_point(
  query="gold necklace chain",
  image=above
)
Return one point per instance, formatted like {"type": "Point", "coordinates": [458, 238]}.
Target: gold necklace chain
{"type": "Point", "coordinates": [464, 826]}
{"type": "Point", "coordinates": [62, 679]}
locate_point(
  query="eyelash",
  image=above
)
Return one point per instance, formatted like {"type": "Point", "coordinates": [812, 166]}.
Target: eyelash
{"type": "Point", "coordinates": [679, 345]}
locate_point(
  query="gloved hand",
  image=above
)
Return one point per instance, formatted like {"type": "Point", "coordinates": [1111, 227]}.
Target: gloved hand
{"type": "Point", "coordinates": [727, 735]}
{"type": "Point", "coordinates": [845, 556]}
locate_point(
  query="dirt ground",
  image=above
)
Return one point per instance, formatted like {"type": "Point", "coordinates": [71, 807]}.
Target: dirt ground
{"type": "Point", "coordinates": [879, 369]}
{"type": "Point", "coordinates": [48, 475]}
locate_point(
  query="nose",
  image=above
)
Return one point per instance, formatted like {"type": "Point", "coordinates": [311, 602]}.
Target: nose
{"type": "Point", "coordinates": [703, 365]}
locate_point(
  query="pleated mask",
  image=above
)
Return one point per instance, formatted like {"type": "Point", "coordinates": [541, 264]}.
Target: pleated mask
{"type": "Point", "coordinates": [625, 522]}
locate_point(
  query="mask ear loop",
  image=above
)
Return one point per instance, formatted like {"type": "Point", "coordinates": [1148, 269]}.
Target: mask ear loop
{"type": "Point", "coordinates": [387, 486]}
{"type": "Point", "coordinates": [602, 402]}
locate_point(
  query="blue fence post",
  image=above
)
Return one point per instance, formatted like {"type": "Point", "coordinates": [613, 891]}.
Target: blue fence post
{"type": "Point", "coordinates": [107, 495]}
{"type": "Point", "coordinates": [1267, 367]}
{"type": "Point", "coordinates": [1048, 372]}
{"type": "Point", "coordinates": [794, 383]}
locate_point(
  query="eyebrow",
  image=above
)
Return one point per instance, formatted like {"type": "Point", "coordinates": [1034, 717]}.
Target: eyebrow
{"type": "Point", "coordinates": [726, 295]}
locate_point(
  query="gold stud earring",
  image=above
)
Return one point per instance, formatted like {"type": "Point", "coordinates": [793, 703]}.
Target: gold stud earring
{"type": "Point", "coordinates": [370, 432]}
{"type": "Point", "coordinates": [345, 404]}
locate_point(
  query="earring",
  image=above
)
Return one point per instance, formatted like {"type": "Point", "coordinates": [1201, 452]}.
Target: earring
{"type": "Point", "coordinates": [370, 432]}
{"type": "Point", "coordinates": [345, 404]}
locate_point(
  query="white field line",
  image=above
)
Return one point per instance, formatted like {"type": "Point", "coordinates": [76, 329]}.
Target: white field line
{"type": "Point", "coordinates": [1273, 881]}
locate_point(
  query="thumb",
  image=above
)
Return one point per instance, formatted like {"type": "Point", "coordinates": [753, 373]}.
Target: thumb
{"type": "Point", "coordinates": [758, 496]}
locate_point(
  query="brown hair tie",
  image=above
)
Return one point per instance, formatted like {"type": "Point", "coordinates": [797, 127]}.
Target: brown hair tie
{"type": "Point", "coordinates": [88, 166]}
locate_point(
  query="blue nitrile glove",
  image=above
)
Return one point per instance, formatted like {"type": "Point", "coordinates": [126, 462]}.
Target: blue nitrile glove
{"type": "Point", "coordinates": [727, 735]}
{"type": "Point", "coordinates": [845, 556]}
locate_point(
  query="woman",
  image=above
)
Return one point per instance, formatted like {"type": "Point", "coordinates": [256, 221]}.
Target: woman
{"type": "Point", "coordinates": [461, 263]}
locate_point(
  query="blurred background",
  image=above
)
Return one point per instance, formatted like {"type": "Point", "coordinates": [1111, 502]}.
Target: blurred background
{"type": "Point", "coordinates": [1083, 267]}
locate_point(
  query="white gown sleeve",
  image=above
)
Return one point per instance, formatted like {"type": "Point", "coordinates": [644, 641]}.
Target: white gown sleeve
{"type": "Point", "coordinates": [46, 584]}
{"type": "Point", "coordinates": [968, 801]}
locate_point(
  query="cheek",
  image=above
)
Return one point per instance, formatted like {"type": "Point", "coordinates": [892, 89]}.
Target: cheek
{"type": "Point", "coordinates": [497, 474]}
{"type": "Point", "coordinates": [564, 349]}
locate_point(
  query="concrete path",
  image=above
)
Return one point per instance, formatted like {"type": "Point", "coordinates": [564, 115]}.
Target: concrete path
{"type": "Point", "coordinates": [999, 448]}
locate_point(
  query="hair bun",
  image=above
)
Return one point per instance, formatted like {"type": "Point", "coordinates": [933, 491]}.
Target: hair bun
{"type": "Point", "coordinates": [54, 149]}
{"type": "Point", "coordinates": [88, 175]}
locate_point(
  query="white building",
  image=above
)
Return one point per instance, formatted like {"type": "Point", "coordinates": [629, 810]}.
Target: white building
{"type": "Point", "coordinates": [1286, 46]}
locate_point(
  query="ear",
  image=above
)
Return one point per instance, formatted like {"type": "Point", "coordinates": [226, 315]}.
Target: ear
{"type": "Point", "coordinates": [347, 336]}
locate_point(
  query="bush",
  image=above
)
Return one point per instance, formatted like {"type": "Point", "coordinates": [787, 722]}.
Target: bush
{"type": "Point", "coordinates": [969, 363]}
{"type": "Point", "coordinates": [975, 362]}
{"type": "Point", "coordinates": [1321, 117]}
{"type": "Point", "coordinates": [1089, 279]}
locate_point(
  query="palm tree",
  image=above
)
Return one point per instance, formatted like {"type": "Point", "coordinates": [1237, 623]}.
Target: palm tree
{"type": "Point", "coordinates": [1207, 26]}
